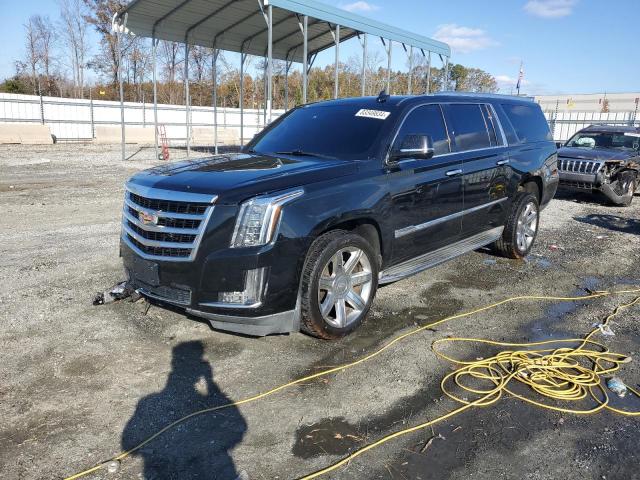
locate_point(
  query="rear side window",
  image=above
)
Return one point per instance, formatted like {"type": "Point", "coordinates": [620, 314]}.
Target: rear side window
{"type": "Point", "coordinates": [528, 122]}
{"type": "Point", "coordinates": [469, 128]}
{"type": "Point", "coordinates": [494, 134]}
{"type": "Point", "coordinates": [426, 120]}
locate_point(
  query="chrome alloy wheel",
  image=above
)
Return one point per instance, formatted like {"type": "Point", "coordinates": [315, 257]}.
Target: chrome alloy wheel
{"type": "Point", "coordinates": [344, 287]}
{"type": "Point", "coordinates": [527, 226]}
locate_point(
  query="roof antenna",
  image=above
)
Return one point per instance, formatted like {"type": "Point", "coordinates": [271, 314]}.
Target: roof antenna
{"type": "Point", "coordinates": [383, 96]}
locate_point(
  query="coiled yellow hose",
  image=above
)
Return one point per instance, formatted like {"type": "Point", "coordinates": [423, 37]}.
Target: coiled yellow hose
{"type": "Point", "coordinates": [567, 373]}
{"type": "Point", "coordinates": [565, 378]}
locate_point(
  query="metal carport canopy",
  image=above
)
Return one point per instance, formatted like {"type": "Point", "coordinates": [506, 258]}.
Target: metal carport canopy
{"type": "Point", "coordinates": [289, 30]}
{"type": "Point", "coordinates": [239, 26]}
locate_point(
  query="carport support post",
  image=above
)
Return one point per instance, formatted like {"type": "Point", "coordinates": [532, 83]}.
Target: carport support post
{"type": "Point", "coordinates": [214, 74]}
{"type": "Point", "coordinates": [121, 80]}
{"type": "Point", "coordinates": [428, 73]}
{"type": "Point", "coordinates": [388, 49]}
{"type": "Point", "coordinates": [243, 57]}
{"type": "Point", "coordinates": [93, 125]}
{"type": "Point", "coordinates": [186, 94]}
{"type": "Point", "coordinates": [154, 55]}
{"type": "Point", "coordinates": [286, 84]}
{"type": "Point", "coordinates": [336, 72]}
{"type": "Point", "coordinates": [305, 56]}
{"type": "Point", "coordinates": [445, 83]}
{"type": "Point", "coordinates": [409, 85]}
{"type": "Point", "coordinates": [364, 65]}
{"type": "Point", "coordinates": [269, 61]}
{"type": "Point", "coordinates": [265, 87]}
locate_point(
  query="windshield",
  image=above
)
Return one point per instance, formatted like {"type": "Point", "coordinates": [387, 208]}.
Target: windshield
{"type": "Point", "coordinates": [619, 141]}
{"type": "Point", "coordinates": [326, 131]}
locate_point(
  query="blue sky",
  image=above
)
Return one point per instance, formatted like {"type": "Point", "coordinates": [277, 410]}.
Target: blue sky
{"type": "Point", "coordinates": [567, 46]}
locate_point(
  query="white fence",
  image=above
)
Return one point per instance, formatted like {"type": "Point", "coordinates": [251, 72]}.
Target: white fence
{"type": "Point", "coordinates": [75, 120]}
{"type": "Point", "coordinates": [564, 124]}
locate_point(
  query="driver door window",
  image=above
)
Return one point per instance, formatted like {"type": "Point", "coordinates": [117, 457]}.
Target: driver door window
{"type": "Point", "coordinates": [426, 120]}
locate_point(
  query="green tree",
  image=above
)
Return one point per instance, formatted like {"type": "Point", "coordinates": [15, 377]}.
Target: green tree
{"type": "Point", "coordinates": [17, 84]}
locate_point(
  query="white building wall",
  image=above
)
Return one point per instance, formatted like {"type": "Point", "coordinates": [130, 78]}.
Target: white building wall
{"type": "Point", "coordinates": [618, 102]}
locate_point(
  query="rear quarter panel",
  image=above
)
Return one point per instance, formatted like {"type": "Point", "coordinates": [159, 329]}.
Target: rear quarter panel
{"type": "Point", "coordinates": [533, 160]}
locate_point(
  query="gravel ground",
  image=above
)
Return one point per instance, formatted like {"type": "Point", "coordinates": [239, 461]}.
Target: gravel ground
{"type": "Point", "coordinates": [79, 383]}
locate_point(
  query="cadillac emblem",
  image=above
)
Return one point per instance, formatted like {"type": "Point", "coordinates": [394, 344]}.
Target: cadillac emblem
{"type": "Point", "coordinates": [148, 218]}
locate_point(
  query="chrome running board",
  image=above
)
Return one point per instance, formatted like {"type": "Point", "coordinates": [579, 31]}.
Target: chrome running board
{"type": "Point", "coordinates": [431, 259]}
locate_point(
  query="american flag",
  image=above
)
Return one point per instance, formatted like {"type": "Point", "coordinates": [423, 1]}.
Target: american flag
{"type": "Point", "coordinates": [520, 77]}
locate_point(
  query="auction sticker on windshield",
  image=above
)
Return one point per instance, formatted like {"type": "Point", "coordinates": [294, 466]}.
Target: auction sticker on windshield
{"type": "Point", "coordinates": [379, 114]}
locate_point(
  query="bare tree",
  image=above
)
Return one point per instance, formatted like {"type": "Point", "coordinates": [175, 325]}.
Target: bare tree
{"type": "Point", "coordinates": [199, 63]}
{"type": "Point", "coordinates": [170, 59]}
{"type": "Point", "coordinates": [100, 13]}
{"type": "Point", "coordinates": [74, 32]}
{"type": "Point", "coordinates": [137, 65]}
{"type": "Point", "coordinates": [376, 76]}
{"type": "Point", "coordinates": [33, 55]}
{"type": "Point", "coordinates": [200, 59]}
{"type": "Point", "coordinates": [46, 34]}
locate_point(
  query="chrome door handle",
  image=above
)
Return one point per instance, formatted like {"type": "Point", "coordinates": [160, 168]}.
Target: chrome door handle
{"type": "Point", "coordinates": [452, 173]}
{"type": "Point", "coordinates": [502, 162]}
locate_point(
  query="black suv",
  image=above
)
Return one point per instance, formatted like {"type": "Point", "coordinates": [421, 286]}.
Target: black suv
{"type": "Point", "coordinates": [602, 158]}
{"type": "Point", "coordinates": [334, 199]}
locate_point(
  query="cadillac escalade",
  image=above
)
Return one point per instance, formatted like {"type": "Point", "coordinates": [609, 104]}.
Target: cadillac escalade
{"type": "Point", "coordinates": [333, 200]}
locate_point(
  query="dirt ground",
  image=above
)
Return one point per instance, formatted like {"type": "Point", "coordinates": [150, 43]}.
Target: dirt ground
{"type": "Point", "coordinates": [79, 383]}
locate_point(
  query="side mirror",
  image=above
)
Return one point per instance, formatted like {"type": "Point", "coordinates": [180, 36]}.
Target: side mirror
{"type": "Point", "coordinates": [559, 144]}
{"type": "Point", "coordinates": [413, 146]}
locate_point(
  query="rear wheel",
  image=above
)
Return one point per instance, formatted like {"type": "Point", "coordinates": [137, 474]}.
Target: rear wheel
{"type": "Point", "coordinates": [521, 228]}
{"type": "Point", "coordinates": [339, 282]}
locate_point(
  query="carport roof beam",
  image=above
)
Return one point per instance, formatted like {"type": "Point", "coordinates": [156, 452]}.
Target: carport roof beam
{"type": "Point", "coordinates": [234, 23]}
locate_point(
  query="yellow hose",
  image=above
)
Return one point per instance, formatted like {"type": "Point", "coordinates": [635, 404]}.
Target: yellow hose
{"type": "Point", "coordinates": [567, 373]}
{"type": "Point", "coordinates": [495, 370]}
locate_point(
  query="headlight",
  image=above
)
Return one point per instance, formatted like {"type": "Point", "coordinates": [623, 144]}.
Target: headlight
{"type": "Point", "coordinates": [259, 218]}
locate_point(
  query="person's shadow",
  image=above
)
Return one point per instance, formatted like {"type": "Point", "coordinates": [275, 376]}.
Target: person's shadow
{"type": "Point", "coordinates": [199, 447]}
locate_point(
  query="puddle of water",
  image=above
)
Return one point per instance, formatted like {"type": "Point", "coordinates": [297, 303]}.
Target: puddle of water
{"type": "Point", "coordinates": [329, 436]}
{"type": "Point", "coordinates": [546, 326]}
{"type": "Point", "coordinates": [543, 262]}
{"type": "Point", "coordinates": [538, 261]}
{"type": "Point", "coordinates": [629, 402]}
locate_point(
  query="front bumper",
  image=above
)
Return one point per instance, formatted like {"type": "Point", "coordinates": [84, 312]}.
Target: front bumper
{"type": "Point", "coordinates": [578, 181]}
{"type": "Point", "coordinates": [180, 285]}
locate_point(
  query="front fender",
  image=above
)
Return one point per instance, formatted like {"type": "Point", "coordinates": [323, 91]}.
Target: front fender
{"type": "Point", "coordinates": [327, 206]}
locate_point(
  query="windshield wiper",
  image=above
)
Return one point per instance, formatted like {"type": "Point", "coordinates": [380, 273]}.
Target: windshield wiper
{"type": "Point", "coordinates": [301, 153]}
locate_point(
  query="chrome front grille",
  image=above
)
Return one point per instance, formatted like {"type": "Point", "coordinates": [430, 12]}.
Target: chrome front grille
{"type": "Point", "coordinates": [164, 225]}
{"type": "Point", "coordinates": [578, 166]}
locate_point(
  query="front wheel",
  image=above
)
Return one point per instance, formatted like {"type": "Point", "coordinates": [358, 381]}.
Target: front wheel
{"type": "Point", "coordinates": [521, 228]}
{"type": "Point", "coordinates": [625, 187]}
{"type": "Point", "coordinates": [339, 283]}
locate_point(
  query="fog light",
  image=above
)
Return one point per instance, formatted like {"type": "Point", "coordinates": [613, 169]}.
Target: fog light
{"type": "Point", "coordinates": [251, 296]}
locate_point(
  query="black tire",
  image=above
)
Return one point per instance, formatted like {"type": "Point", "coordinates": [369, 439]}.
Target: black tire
{"type": "Point", "coordinates": [626, 186]}
{"type": "Point", "coordinates": [318, 259]}
{"type": "Point", "coordinates": [508, 246]}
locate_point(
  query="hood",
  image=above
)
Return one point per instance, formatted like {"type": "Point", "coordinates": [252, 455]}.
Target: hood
{"type": "Point", "coordinates": [595, 154]}
{"type": "Point", "coordinates": [236, 177]}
